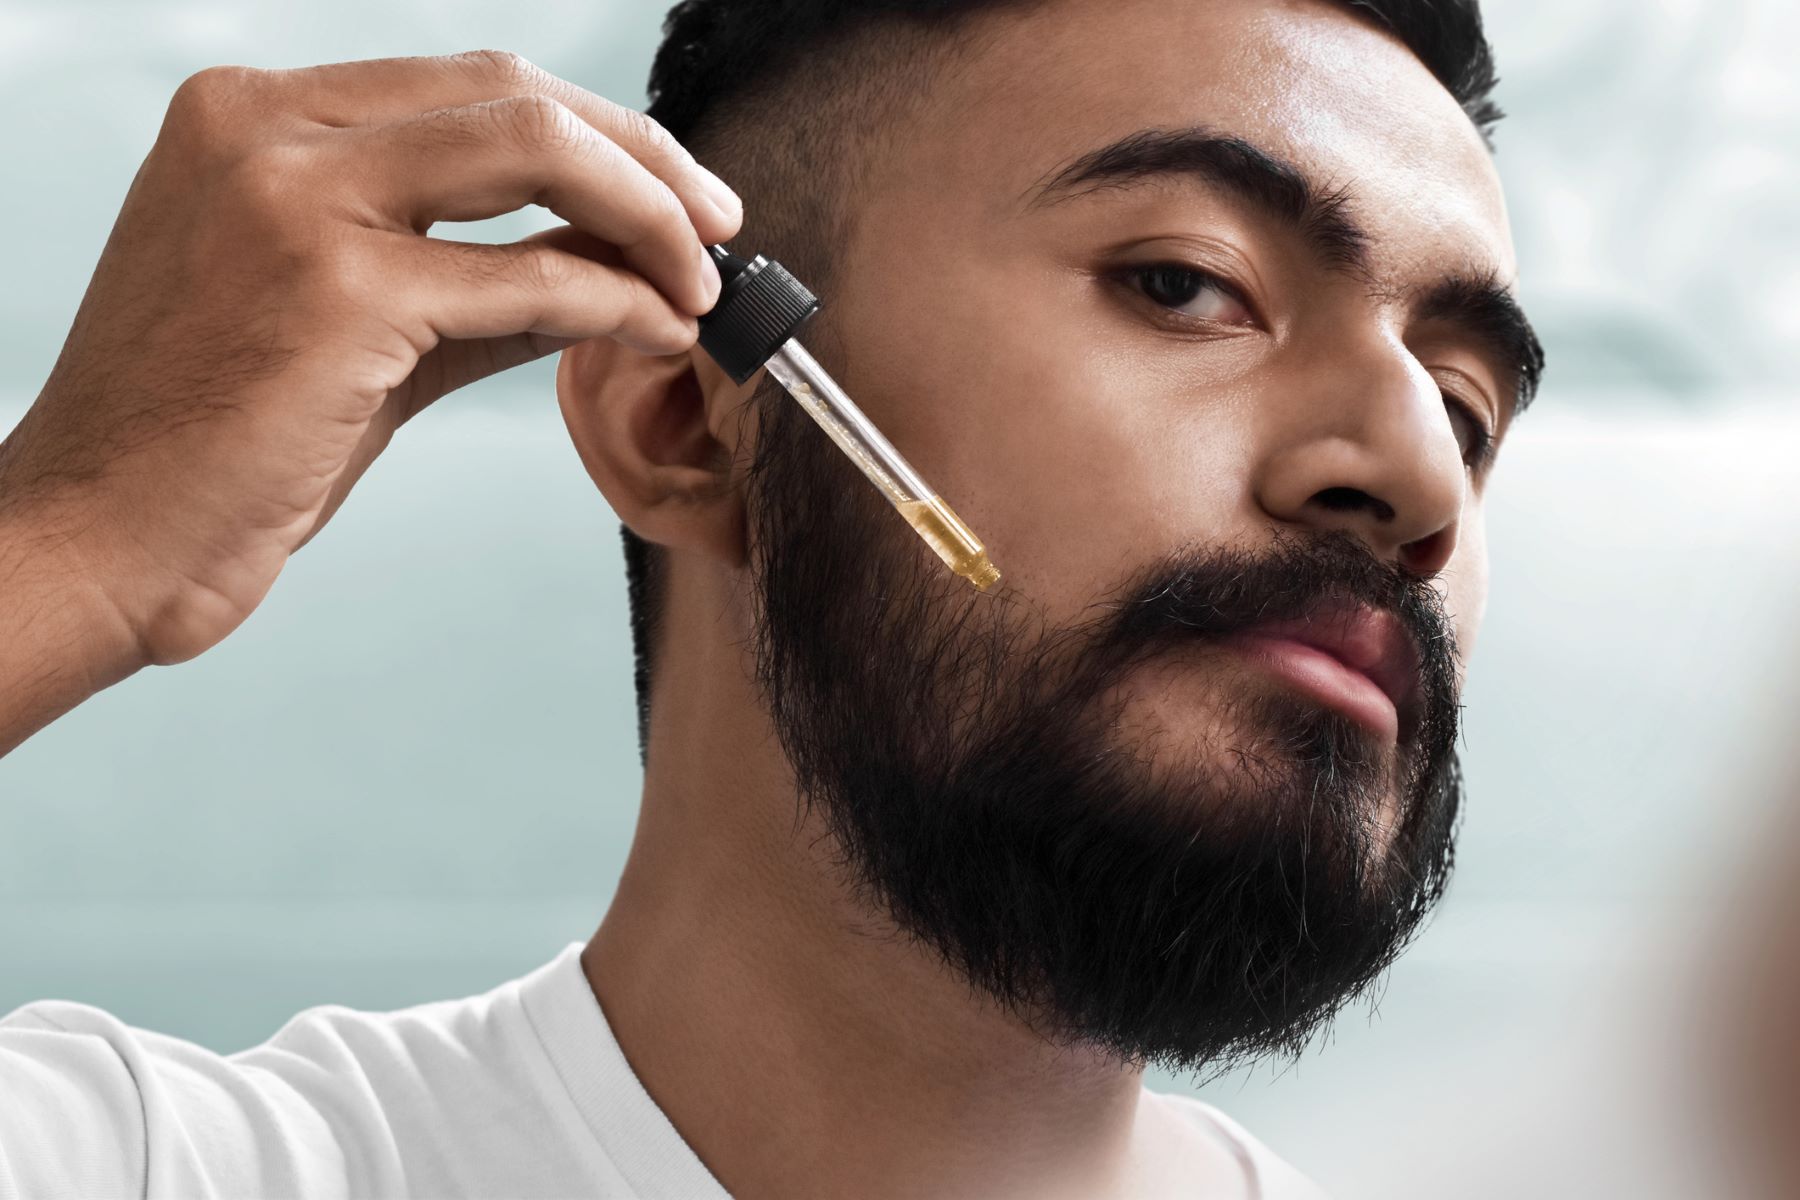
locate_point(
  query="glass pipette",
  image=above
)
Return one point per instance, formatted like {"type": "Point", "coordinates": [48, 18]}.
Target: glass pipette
{"type": "Point", "coordinates": [752, 326]}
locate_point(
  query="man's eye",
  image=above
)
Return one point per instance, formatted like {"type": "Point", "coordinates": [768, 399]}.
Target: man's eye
{"type": "Point", "coordinates": [1192, 293]}
{"type": "Point", "coordinates": [1472, 436]}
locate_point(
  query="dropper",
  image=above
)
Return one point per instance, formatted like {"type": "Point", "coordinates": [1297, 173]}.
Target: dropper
{"type": "Point", "coordinates": [752, 326]}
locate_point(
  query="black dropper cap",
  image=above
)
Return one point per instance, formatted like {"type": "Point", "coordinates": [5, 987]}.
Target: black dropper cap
{"type": "Point", "coordinates": [760, 307]}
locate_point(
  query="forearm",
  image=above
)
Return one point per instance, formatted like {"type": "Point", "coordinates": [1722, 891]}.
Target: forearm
{"type": "Point", "coordinates": [61, 638]}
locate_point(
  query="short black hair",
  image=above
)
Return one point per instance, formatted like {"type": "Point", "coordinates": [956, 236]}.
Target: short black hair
{"type": "Point", "coordinates": [713, 50]}
{"type": "Point", "coordinates": [777, 96]}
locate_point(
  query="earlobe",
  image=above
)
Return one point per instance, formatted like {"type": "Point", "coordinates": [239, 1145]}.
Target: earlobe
{"type": "Point", "coordinates": [642, 427]}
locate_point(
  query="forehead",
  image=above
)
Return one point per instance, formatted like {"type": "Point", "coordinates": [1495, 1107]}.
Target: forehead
{"type": "Point", "coordinates": [1303, 79]}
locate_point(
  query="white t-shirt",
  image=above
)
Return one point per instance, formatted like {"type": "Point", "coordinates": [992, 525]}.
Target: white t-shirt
{"type": "Point", "coordinates": [518, 1092]}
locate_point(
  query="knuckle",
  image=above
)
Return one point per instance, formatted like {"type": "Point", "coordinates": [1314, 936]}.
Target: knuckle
{"type": "Point", "coordinates": [209, 84]}
{"type": "Point", "coordinates": [543, 268]}
{"type": "Point", "coordinates": [631, 297]}
{"type": "Point", "coordinates": [211, 101]}
{"type": "Point", "coordinates": [271, 176]}
{"type": "Point", "coordinates": [645, 134]}
{"type": "Point", "coordinates": [546, 126]}
{"type": "Point", "coordinates": [505, 67]}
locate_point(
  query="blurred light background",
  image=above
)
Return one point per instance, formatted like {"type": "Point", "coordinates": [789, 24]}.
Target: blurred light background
{"type": "Point", "coordinates": [413, 773]}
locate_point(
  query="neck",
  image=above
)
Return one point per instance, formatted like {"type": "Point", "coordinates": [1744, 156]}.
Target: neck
{"type": "Point", "coordinates": [798, 1042]}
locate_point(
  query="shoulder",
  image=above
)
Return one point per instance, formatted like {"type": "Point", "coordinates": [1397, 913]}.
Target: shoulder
{"type": "Point", "coordinates": [338, 1098]}
{"type": "Point", "coordinates": [69, 1097]}
{"type": "Point", "coordinates": [1271, 1177]}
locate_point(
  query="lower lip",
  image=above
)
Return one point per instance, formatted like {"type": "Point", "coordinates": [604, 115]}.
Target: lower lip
{"type": "Point", "coordinates": [1325, 679]}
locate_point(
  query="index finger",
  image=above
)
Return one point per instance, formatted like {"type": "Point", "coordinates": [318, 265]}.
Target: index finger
{"type": "Point", "coordinates": [381, 91]}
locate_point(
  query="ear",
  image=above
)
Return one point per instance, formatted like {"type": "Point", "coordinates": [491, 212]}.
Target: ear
{"type": "Point", "coordinates": [652, 433]}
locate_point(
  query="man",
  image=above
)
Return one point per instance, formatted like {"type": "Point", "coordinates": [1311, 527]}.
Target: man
{"type": "Point", "coordinates": [1199, 313]}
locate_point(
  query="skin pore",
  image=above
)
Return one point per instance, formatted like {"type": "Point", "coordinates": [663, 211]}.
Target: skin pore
{"type": "Point", "coordinates": [798, 1043]}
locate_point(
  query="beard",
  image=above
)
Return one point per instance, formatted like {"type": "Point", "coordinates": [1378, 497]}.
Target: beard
{"type": "Point", "coordinates": [1192, 904]}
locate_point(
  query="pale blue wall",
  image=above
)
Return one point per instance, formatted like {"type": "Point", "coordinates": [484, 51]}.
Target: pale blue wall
{"type": "Point", "coordinates": [413, 773]}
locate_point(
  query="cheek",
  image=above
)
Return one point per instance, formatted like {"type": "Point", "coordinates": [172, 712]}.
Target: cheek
{"type": "Point", "coordinates": [1073, 463]}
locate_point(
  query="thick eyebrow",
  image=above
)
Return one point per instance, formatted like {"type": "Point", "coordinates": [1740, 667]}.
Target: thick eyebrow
{"type": "Point", "coordinates": [1477, 304]}
{"type": "Point", "coordinates": [1487, 313]}
{"type": "Point", "coordinates": [1270, 184]}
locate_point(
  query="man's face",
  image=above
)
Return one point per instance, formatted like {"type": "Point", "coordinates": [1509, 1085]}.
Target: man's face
{"type": "Point", "coordinates": [1080, 425]}
{"type": "Point", "coordinates": [1166, 301]}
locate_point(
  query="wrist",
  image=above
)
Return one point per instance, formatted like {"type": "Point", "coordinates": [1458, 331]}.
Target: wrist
{"type": "Point", "coordinates": [63, 636]}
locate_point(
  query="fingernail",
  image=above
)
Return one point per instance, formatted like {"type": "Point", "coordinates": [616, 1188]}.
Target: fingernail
{"type": "Point", "coordinates": [722, 197]}
{"type": "Point", "coordinates": [710, 283]}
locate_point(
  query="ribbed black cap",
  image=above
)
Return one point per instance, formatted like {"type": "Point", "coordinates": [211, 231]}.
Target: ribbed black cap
{"type": "Point", "coordinates": [759, 309]}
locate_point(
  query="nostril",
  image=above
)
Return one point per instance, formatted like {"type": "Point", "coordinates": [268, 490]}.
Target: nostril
{"type": "Point", "coordinates": [1429, 555]}
{"type": "Point", "coordinates": [1349, 499]}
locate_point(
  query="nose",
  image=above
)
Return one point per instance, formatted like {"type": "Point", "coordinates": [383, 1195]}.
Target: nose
{"type": "Point", "coordinates": [1365, 447]}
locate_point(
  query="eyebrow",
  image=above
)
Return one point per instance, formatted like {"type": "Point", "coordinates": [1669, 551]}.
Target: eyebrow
{"type": "Point", "coordinates": [1487, 313]}
{"type": "Point", "coordinates": [1478, 304]}
{"type": "Point", "coordinates": [1269, 184]}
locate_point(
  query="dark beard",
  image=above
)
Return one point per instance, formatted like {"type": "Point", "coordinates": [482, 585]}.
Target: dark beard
{"type": "Point", "coordinates": [1194, 915]}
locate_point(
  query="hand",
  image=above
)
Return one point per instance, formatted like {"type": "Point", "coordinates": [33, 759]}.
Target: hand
{"type": "Point", "coordinates": [267, 311]}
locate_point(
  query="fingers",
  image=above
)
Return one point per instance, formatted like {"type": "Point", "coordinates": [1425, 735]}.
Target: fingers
{"type": "Point", "coordinates": [540, 285]}
{"type": "Point", "coordinates": [481, 160]}
{"type": "Point", "coordinates": [389, 90]}
{"type": "Point", "coordinates": [469, 136]}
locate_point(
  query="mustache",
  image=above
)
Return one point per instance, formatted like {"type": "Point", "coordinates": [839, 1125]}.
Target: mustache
{"type": "Point", "coordinates": [1213, 593]}
{"type": "Point", "coordinates": [1216, 593]}
{"type": "Point", "coordinates": [1220, 592]}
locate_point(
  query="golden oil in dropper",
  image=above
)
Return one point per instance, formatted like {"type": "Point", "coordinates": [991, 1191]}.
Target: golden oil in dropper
{"type": "Point", "coordinates": [954, 542]}
{"type": "Point", "coordinates": [752, 326]}
{"type": "Point", "coordinates": [924, 510]}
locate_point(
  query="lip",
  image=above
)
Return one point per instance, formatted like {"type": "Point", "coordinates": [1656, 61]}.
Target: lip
{"type": "Point", "coordinates": [1350, 657]}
